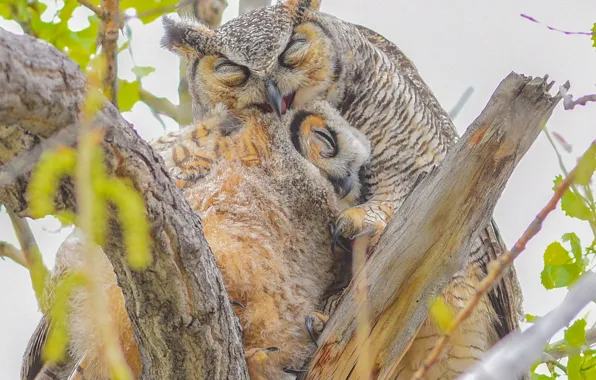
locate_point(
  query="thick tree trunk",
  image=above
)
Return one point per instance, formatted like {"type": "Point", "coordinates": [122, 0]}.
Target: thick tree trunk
{"type": "Point", "coordinates": [181, 315]}
{"type": "Point", "coordinates": [430, 237]}
{"type": "Point", "coordinates": [182, 319]}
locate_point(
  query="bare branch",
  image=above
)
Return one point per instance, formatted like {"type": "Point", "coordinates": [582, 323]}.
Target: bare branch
{"type": "Point", "coordinates": [555, 29]}
{"type": "Point", "coordinates": [497, 268]}
{"type": "Point", "coordinates": [461, 103]}
{"type": "Point", "coordinates": [431, 236]}
{"type": "Point", "coordinates": [516, 353]}
{"type": "Point", "coordinates": [29, 247]}
{"type": "Point", "coordinates": [164, 107]}
{"type": "Point", "coordinates": [109, 48]}
{"type": "Point", "coordinates": [92, 7]}
{"type": "Point", "coordinates": [10, 251]}
{"type": "Point", "coordinates": [182, 319]}
{"type": "Point", "coordinates": [569, 103]}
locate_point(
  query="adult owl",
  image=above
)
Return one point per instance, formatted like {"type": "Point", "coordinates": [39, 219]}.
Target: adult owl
{"type": "Point", "coordinates": [280, 57]}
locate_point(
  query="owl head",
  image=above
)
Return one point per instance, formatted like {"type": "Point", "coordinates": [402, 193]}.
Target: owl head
{"type": "Point", "coordinates": [325, 139]}
{"type": "Point", "coordinates": [273, 58]}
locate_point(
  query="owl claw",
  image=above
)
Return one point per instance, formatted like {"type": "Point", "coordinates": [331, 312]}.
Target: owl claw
{"type": "Point", "coordinates": [236, 303]}
{"type": "Point", "coordinates": [315, 321]}
{"type": "Point", "coordinates": [293, 371]}
{"type": "Point", "coordinates": [335, 240]}
{"type": "Point", "coordinates": [361, 220]}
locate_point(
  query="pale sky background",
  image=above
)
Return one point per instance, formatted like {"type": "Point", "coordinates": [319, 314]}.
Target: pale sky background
{"type": "Point", "coordinates": [454, 44]}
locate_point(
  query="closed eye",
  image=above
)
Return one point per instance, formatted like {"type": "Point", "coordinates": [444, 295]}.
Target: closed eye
{"type": "Point", "coordinates": [329, 140]}
{"type": "Point", "coordinates": [294, 52]}
{"type": "Point", "coordinates": [231, 73]}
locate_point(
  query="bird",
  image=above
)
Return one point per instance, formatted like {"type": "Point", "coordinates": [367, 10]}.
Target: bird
{"type": "Point", "coordinates": [271, 189]}
{"type": "Point", "coordinates": [277, 58]}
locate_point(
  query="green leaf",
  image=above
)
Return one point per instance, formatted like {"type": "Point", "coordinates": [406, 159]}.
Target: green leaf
{"type": "Point", "coordinates": [560, 276]}
{"type": "Point", "coordinates": [585, 168]}
{"type": "Point", "coordinates": [572, 205]}
{"type": "Point", "coordinates": [128, 94]}
{"type": "Point", "coordinates": [576, 247]}
{"type": "Point", "coordinates": [5, 11]}
{"type": "Point", "coordinates": [531, 318]}
{"type": "Point", "coordinates": [556, 254]}
{"type": "Point", "coordinates": [142, 71]}
{"type": "Point", "coordinates": [574, 367]}
{"type": "Point", "coordinates": [149, 10]}
{"type": "Point", "coordinates": [594, 35]}
{"type": "Point", "coordinates": [575, 335]}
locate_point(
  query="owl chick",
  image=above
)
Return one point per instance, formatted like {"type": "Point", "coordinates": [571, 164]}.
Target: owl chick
{"type": "Point", "coordinates": [265, 219]}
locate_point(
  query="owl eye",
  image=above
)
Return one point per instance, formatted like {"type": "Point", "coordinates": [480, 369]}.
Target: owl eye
{"type": "Point", "coordinates": [230, 73]}
{"type": "Point", "coordinates": [328, 142]}
{"type": "Point", "coordinates": [294, 53]}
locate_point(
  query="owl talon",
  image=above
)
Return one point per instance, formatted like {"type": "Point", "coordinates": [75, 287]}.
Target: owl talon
{"type": "Point", "coordinates": [336, 240]}
{"type": "Point", "coordinates": [293, 371]}
{"type": "Point", "coordinates": [315, 321]}
{"type": "Point", "coordinates": [236, 303]}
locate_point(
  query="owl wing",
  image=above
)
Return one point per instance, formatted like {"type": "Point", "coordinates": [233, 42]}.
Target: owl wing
{"type": "Point", "coordinates": [506, 296]}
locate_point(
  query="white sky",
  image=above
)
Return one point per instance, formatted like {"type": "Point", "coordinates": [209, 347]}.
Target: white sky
{"type": "Point", "coordinates": [454, 44]}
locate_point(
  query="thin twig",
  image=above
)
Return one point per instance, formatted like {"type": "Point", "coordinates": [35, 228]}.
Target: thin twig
{"type": "Point", "coordinates": [109, 47]}
{"type": "Point", "coordinates": [560, 349]}
{"type": "Point", "coordinates": [555, 29]}
{"type": "Point", "coordinates": [92, 7]}
{"type": "Point", "coordinates": [569, 103]}
{"type": "Point", "coordinates": [461, 103]}
{"type": "Point", "coordinates": [27, 241]}
{"type": "Point", "coordinates": [10, 251]}
{"type": "Point", "coordinates": [499, 266]}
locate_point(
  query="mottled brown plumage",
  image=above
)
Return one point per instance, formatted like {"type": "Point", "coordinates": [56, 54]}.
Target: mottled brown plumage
{"type": "Point", "coordinates": [265, 212]}
{"type": "Point", "coordinates": [283, 56]}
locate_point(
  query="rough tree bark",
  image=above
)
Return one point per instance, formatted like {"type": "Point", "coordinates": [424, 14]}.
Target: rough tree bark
{"type": "Point", "coordinates": [429, 239]}
{"type": "Point", "coordinates": [182, 319]}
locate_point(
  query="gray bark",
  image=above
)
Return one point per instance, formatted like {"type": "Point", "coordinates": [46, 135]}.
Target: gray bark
{"type": "Point", "coordinates": [182, 319]}
{"type": "Point", "coordinates": [430, 237]}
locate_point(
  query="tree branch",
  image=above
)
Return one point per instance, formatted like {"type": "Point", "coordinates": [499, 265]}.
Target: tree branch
{"type": "Point", "coordinates": [109, 48]}
{"type": "Point", "coordinates": [559, 349]}
{"type": "Point", "coordinates": [182, 319]}
{"type": "Point", "coordinates": [10, 251]}
{"type": "Point", "coordinates": [92, 7]}
{"type": "Point", "coordinates": [248, 5]}
{"type": "Point", "coordinates": [514, 355]}
{"type": "Point", "coordinates": [429, 239]}
{"type": "Point", "coordinates": [498, 267]}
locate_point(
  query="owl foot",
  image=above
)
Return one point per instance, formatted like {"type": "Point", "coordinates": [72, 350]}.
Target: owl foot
{"type": "Point", "coordinates": [366, 219]}
{"type": "Point", "coordinates": [315, 323]}
{"type": "Point", "coordinates": [256, 361]}
{"type": "Point", "coordinates": [236, 303]}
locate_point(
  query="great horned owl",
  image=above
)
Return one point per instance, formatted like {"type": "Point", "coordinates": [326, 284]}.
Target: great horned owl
{"type": "Point", "coordinates": [280, 57]}
{"type": "Point", "coordinates": [265, 211]}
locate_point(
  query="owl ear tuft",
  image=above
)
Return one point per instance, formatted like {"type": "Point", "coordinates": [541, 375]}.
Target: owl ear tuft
{"type": "Point", "coordinates": [314, 5]}
{"type": "Point", "coordinates": [189, 40]}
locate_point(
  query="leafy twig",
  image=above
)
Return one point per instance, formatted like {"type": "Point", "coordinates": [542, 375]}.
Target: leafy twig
{"type": "Point", "coordinates": [498, 267]}
{"type": "Point", "coordinates": [559, 349]}
{"type": "Point", "coordinates": [514, 355]}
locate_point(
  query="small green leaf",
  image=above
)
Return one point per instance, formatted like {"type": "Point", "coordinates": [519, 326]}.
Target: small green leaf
{"type": "Point", "coordinates": [128, 94]}
{"type": "Point", "coordinates": [594, 35]}
{"type": "Point", "coordinates": [531, 318]}
{"type": "Point", "coordinates": [5, 12]}
{"type": "Point", "coordinates": [576, 247]}
{"type": "Point", "coordinates": [585, 168]}
{"type": "Point", "coordinates": [572, 205]}
{"type": "Point", "coordinates": [560, 276]}
{"type": "Point", "coordinates": [441, 314]}
{"type": "Point", "coordinates": [574, 367]}
{"type": "Point", "coordinates": [575, 335]}
{"type": "Point", "coordinates": [149, 10]}
{"type": "Point", "coordinates": [142, 71]}
{"type": "Point", "coordinates": [556, 254]}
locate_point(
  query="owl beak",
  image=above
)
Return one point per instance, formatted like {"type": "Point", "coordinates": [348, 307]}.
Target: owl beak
{"type": "Point", "coordinates": [274, 97]}
{"type": "Point", "coordinates": [342, 185]}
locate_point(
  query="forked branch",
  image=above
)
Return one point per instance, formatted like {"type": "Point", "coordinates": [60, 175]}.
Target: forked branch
{"type": "Point", "coordinates": [430, 237]}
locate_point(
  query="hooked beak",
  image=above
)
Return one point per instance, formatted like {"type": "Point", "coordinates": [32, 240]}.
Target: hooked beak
{"type": "Point", "coordinates": [342, 186]}
{"type": "Point", "coordinates": [274, 97]}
